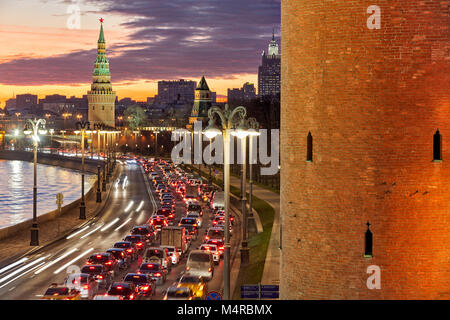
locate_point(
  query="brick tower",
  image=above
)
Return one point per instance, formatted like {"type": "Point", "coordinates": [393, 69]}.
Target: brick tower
{"type": "Point", "coordinates": [365, 138]}
{"type": "Point", "coordinates": [101, 97]}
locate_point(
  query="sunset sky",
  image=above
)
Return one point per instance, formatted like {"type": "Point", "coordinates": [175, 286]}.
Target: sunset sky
{"type": "Point", "coordinates": [146, 41]}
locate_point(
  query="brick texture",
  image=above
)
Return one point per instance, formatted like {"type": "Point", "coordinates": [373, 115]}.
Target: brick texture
{"type": "Point", "coordinates": [372, 100]}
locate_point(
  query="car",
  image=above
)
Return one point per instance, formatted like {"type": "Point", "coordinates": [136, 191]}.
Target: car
{"type": "Point", "coordinates": [103, 277]}
{"type": "Point", "coordinates": [144, 283]}
{"type": "Point", "coordinates": [83, 282]}
{"type": "Point", "coordinates": [155, 270]}
{"type": "Point", "coordinates": [221, 224]}
{"type": "Point", "coordinates": [213, 249]}
{"type": "Point", "coordinates": [127, 290]}
{"type": "Point", "coordinates": [178, 293]}
{"type": "Point", "coordinates": [122, 182]}
{"type": "Point", "coordinates": [123, 258]}
{"type": "Point", "coordinates": [56, 292]}
{"type": "Point", "coordinates": [196, 215]}
{"type": "Point", "coordinates": [130, 248]}
{"type": "Point", "coordinates": [215, 233]}
{"type": "Point", "coordinates": [195, 208]}
{"type": "Point", "coordinates": [107, 297]}
{"type": "Point", "coordinates": [193, 232]}
{"type": "Point", "coordinates": [217, 242]}
{"type": "Point", "coordinates": [138, 240]}
{"type": "Point", "coordinates": [159, 255]}
{"type": "Point", "coordinates": [158, 222]}
{"type": "Point", "coordinates": [146, 231]}
{"type": "Point", "coordinates": [200, 263]}
{"type": "Point", "coordinates": [174, 254]}
{"type": "Point", "coordinates": [104, 258]}
{"type": "Point", "coordinates": [166, 211]}
{"type": "Point", "coordinates": [198, 286]}
{"type": "Point", "coordinates": [188, 221]}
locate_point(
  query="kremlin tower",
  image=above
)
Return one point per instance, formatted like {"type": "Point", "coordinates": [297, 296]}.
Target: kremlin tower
{"type": "Point", "coordinates": [202, 103]}
{"type": "Point", "coordinates": [101, 97]}
{"type": "Point", "coordinates": [365, 150]}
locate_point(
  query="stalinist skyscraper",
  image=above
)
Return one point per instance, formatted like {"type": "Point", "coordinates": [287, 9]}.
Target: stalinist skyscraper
{"type": "Point", "coordinates": [101, 97]}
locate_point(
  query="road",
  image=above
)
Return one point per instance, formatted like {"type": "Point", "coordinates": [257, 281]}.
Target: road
{"type": "Point", "coordinates": [29, 277]}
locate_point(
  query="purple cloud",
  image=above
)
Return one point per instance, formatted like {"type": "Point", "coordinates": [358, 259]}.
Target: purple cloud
{"type": "Point", "coordinates": [171, 39]}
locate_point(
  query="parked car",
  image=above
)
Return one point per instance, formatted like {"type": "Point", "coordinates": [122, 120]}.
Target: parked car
{"type": "Point", "coordinates": [126, 290]}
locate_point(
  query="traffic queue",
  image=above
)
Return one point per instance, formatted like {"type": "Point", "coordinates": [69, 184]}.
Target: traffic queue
{"type": "Point", "coordinates": [158, 245]}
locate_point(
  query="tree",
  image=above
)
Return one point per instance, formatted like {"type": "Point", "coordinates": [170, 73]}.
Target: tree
{"type": "Point", "coordinates": [135, 116]}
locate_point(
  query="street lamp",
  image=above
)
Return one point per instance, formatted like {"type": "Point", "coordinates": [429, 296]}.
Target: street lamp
{"type": "Point", "coordinates": [37, 127]}
{"type": "Point", "coordinates": [228, 120]}
{"type": "Point", "coordinates": [253, 125]}
{"type": "Point", "coordinates": [83, 125]}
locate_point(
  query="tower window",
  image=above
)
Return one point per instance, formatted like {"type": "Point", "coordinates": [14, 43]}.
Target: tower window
{"type": "Point", "coordinates": [103, 107]}
{"type": "Point", "coordinates": [93, 107]}
{"type": "Point", "coordinates": [437, 146]}
{"type": "Point", "coordinates": [309, 147]}
{"type": "Point", "coordinates": [368, 242]}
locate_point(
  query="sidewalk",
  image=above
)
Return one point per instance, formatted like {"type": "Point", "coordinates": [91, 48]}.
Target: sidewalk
{"type": "Point", "coordinates": [49, 231]}
{"type": "Point", "coordinates": [271, 273]}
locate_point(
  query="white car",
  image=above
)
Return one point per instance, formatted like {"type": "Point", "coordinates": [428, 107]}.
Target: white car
{"type": "Point", "coordinates": [174, 254]}
{"type": "Point", "coordinates": [83, 282]}
{"type": "Point", "coordinates": [195, 214]}
{"type": "Point", "coordinates": [213, 249]}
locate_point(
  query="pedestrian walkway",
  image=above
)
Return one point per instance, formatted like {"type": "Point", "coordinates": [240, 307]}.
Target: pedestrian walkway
{"type": "Point", "coordinates": [271, 273]}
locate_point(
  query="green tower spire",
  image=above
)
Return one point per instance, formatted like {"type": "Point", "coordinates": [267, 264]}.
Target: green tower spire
{"type": "Point", "coordinates": [101, 37]}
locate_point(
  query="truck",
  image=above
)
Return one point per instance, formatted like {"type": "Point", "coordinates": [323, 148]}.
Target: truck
{"type": "Point", "coordinates": [218, 200]}
{"type": "Point", "coordinates": [174, 236]}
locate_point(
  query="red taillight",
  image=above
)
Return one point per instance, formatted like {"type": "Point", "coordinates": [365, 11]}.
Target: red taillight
{"type": "Point", "coordinates": [109, 263]}
{"type": "Point", "coordinates": [146, 288]}
{"type": "Point", "coordinates": [221, 248]}
{"type": "Point", "coordinates": [139, 244]}
{"type": "Point", "coordinates": [158, 274]}
{"type": "Point", "coordinates": [119, 288]}
{"type": "Point", "coordinates": [130, 250]}
{"type": "Point", "coordinates": [86, 286]}
{"type": "Point", "coordinates": [99, 256]}
{"type": "Point", "coordinates": [131, 297]}
{"type": "Point", "coordinates": [91, 268]}
{"type": "Point", "coordinates": [122, 254]}
{"type": "Point", "coordinates": [100, 277]}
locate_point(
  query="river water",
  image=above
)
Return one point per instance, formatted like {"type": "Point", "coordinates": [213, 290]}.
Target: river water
{"type": "Point", "coordinates": [16, 189]}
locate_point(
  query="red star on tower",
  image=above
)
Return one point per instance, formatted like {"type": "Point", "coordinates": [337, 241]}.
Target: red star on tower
{"type": "Point", "coordinates": [101, 20]}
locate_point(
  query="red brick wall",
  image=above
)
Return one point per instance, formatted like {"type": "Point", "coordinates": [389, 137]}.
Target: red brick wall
{"type": "Point", "coordinates": [372, 100]}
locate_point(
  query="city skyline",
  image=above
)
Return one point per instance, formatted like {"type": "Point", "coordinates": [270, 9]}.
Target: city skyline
{"type": "Point", "coordinates": [156, 46]}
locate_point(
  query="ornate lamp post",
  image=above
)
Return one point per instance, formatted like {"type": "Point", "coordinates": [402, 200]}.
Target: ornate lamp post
{"type": "Point", "coordinates": [37, 127]}
{"type": "Point", "coordinates": [82, 125]}
{"type": "Point", "coordinates": [253, 125]}
{"type": "Point", "coordinates": [229, 120]}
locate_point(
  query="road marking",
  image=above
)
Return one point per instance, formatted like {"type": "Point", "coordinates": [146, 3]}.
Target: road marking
{"type": "Point", "coordinates": [56, 260]}
{"type": "Point", "coordinates": [13, 265]}
{"type": "Point", "coordinates": [12, 288]}
{"type": "Point", "coordinates": [92, 231]}
{"type": "Point", "coordinates": [78, 232]}
{"type": "Point", "coordinates": [126, 221]}
{"type": "Point", "coordinates": [129, 206]}
{"type": "Point", "coordinates": [73, 260]}
{"type": "Point", "coordinates": [40, 264]}
{"type": "Point", "coordinates": [109, 224]}
{"type": "Point", "coordinates": [22, 269]}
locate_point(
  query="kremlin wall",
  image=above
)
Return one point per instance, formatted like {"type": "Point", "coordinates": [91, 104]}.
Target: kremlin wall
{"type": "Point", "coordinates": [377, 105]}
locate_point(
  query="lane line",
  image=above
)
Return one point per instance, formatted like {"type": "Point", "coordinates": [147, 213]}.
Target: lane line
{"type": "Point", "coordinates": [73, 261]}
{"type": "Point", "coordinates": [109, 225]}
{"type": "Point", "coordinates": [12, 265]}
{"type": "Point", "coordinates": [56, 260]}
{"type": "Point", "coordinates": [126, 221]}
